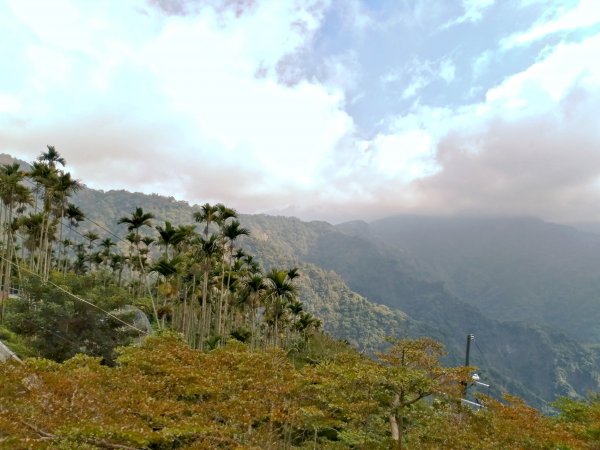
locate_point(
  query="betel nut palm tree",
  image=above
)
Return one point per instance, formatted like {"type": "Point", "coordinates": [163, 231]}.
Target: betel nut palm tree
{"type": "Point", "coordinates": [137, 220]}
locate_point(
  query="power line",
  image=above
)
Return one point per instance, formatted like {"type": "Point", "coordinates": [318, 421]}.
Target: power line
{"type": "Point", "coordinates": [62, 219]}
{"type": "Point", "coordinates": [71, 229]}
{"type": "Point", "coordinates": [481, 352]}
{"type": "Point", "coordinates": [87, 302]}
{"type": "Point", "coordinates": [70, 341]}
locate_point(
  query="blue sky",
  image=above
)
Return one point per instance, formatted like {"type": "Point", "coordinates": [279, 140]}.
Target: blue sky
{"type": "Point", "coordinates": [330, 110]}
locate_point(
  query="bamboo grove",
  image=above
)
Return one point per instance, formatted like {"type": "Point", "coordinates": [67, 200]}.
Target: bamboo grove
{"type": "Point", "coordinates": [193, 278]}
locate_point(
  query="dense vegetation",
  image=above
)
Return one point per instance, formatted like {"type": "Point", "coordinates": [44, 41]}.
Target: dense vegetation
{"type": "Point", "coordinates": [176, 337]}
{"type": "Point", "coordinates": [166, 395]}
{"type": "Point", "coordinates": [347, 268]}
{"type": "Point", "coordinates": [537, 362]}
{"type": "Point", "coordinates": [197, 282]}
{"type": "Point", "coordinates": [546, 272]}
{"type": "Point", "coordinates": [273, 241]}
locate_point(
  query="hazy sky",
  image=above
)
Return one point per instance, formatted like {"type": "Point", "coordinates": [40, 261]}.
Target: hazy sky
{"type": "Point", "coordinates": [323, 109]}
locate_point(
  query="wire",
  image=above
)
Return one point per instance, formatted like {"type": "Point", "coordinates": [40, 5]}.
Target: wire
{"type": "Point", "coordinates": [107, 230]}
{"type": "Point", "coordinates": [60, 288]}
{"type": "Point", "coordinates": [71, 228]}
{"type": "Point", "coordinates": [61, 219]}
{"type": "Point", "coordinates": [482, 356]}
{"type": "Point", "coordinates": [70, 341]}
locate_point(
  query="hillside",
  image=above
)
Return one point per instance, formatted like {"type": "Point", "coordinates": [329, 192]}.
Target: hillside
{"type": "Point", "coordinates": [410, 276]}
{"type": "Point", "coordinates": [534, 361]}
{"type": "Point", "coordinates": [345, 313]}
{"type": "Point", "coordinates": [510, 268]}
{"type": "Point", "coordinates": [350, 274]}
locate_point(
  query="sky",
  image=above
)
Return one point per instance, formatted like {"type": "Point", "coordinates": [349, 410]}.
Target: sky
{"type": "Point", "coordinates": [323, 109]}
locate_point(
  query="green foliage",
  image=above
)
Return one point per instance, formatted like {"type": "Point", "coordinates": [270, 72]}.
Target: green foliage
{"type": "Point", "coordinates": [364, 287]}
{"type": "Point", "coordinates": [202, 284]}
{"type": "Point", "coordinates": [581, 417]}
{"type": "Point", "coordinates": [55, 325]}
{"type": "Point", "coordinates": [164, 394]}
{"type": "Point", "coordinates": [198, 281]}
{"type": "Point", "coordinates": [16, 343]}
{"type": "Point", "coordinates": [535, 362]}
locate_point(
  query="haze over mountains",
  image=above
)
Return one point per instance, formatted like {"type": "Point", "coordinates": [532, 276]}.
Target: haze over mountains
{"type": "Point", "coordinates": [510, 268]}
{"type": "Point", "coordinates": [527, 289]}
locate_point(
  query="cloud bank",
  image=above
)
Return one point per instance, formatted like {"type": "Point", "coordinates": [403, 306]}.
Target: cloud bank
{"type": "Point", "coordinates": [266, 106]}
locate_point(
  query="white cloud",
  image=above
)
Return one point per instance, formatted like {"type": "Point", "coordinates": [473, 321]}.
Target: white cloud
{"type": "Point", "coordinates": [528, 148]}
{"type": "Point", "coordinates": [341, 71]}
{"type": "Point", "coordinates": [404, 156]}
{"type": "Point", "coordinates": [286, 132]}
{"type": "Point", "coordinates": [473, 12]}
{"type": "Point", "coordinates": [192, 78]}
{"type": "Point", "coordinates": [543, 84]}
{"type": "Point", "coordinates": [416, 84]}
{"type": "Point", "coordinates": [474, 9]}
{"type": "Point", "coordinates": [418, 74]}
{"type": "Point", "coordinates": [584, 15]}
{"type": "Point", "coordinates": [537, 90]}
{"type": "Point", "coordinates": [481, 63]}
{"type": "Point", "coordinates": [447, 70]}
{"type": "Point", "coordinates": [193, 106]}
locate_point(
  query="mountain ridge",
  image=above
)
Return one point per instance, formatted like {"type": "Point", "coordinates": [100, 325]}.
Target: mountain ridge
{"type": "Point", "coordinates": [533, 361]}
{"type": "Point", "coordinates": [366, 285]}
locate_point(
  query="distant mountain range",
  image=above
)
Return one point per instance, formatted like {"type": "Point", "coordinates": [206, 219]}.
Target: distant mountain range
{"type": "Point", "coordinates": [528, 290]}
{"type": "Point", "coordinates": [520, 354]}
{"type": "Point", "coordinates": [510, 268]}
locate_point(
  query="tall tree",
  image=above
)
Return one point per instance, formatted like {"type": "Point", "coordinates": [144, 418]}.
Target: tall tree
{"type": "Point", "coordinates": [414, 372]}
{"type": "Point", "coordinates": [208, 214]}
{"type": "Point", "coordinates": [51, 157]}
{"type": "Point", "coordinates": [64, 188]}
{"type": "Point", "coordinates": [230, 231]}
{"type": "Point", "coordinates": [12, 194]}
{"type": "Point", "coordinates": [135, 222]}
{"type": "Point", "coordinates": [74, 216]}
{"type": "Point", "coordinates": [280, 291]}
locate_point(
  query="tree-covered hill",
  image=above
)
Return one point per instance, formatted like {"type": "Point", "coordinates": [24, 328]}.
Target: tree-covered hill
{"type": "Point", "coordinates": [510, 268]}
{"type": "Point", "coordinates": [344, 313]}
{"type": "Point", "coordinates": [362, 284]}
{"type": "Point", "coordinates": [349, 277]}
{"type": "Point", "coordinates": [534, 361]}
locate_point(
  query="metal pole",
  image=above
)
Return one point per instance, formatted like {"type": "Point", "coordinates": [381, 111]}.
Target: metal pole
{"type": "Point", "coordinates": [470, 337]}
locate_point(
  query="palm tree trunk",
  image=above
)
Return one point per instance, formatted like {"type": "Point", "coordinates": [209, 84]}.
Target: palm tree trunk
{"type": "Point", "coordinates": [8, 263]}
{"type": "Point", "coordinates": [143, 273]}
{"type": "Point", "coordinates": [4, 243]}
{"type": "Point", "coordinates": [220, 305]}
{"type": "Point", "coordinates": [9, 247]}
{"type": "Point", "coordinates": [203, 320]}
{"type": "Point", "coordinates": [60, 233]}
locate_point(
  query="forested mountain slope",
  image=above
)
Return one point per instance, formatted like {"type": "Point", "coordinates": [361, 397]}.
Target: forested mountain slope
{"type": "Point", "coordinates": [536, 362]}
{"type": "Point", "coordinates": [510, 268]}
{"type": "Point", "coordinates": [345, 313]}
{"type": "Point", "coordinates": [348, 270]}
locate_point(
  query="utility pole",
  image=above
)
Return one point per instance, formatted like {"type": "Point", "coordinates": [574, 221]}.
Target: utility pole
{"type": "Point", "coordinates": [470, 337]}
{"type": "Point", "coordinates": [473, 378]}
